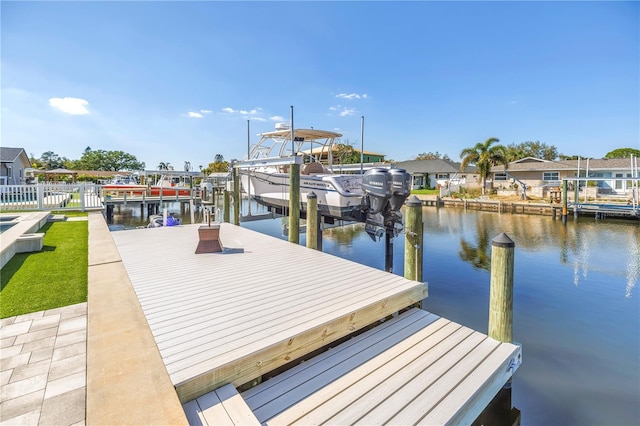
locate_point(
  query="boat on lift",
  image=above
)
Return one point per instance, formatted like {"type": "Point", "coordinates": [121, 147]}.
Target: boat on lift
{"type": "Point", "coordinates": [124, 183]}
{"type": "Point", "coordinates": [368, 197]}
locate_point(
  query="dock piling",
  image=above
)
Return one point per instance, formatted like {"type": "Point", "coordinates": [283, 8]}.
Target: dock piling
{"type": "Point", "coordinates": [227, 211]}
{"type": "Point", "coordinates": [294, 204]}
{"type": "Point", "coordinates": [313, 233]}
{"type": "Point", "coordinates": [413, 240]}
{"type": "Point", "coordinates": [501, 293]}
{"type": "Point", "coordinates": [236, 196]}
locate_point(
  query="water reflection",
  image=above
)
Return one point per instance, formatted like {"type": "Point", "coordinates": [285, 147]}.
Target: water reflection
{"type": "Point", "coordinates": [585, 245]}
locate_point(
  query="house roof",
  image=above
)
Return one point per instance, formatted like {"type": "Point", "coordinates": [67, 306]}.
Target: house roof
{"type": "Point", "coordinates": [9, 155]}
{"type": "Point", "coordinates": [536, 164]}
{"type": "Point", "coordinates": [433, 166]}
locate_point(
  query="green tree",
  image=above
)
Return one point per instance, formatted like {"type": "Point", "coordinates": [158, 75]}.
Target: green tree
{"type": "Point", "coordinates": [484, 156]}
{"type": "Point", "coordinates": [108, 161]}
{"type": "Point", "coordinates": [219, 165]}
{"type": "Point", "coordinates": [432, 156]}
{"type": "Point", "coordinates": [535, 149]}
{"type": "Point", "coordinates": [163, 166]}
{"type": "Point", "coordinates": [50, 160]}
{"type": "Point", "coordinates": [623, 153]}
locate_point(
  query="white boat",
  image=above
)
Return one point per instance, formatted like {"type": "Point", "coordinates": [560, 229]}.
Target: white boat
{"type": "Point", "coordinates": [265, 176]}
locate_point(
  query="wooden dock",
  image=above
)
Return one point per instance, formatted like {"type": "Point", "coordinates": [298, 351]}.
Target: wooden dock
{"type": "Point", "coordinates": [223, 320]}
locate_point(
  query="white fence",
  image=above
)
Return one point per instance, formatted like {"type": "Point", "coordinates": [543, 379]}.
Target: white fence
{"type": "Point", "coordinates": [50, 197]}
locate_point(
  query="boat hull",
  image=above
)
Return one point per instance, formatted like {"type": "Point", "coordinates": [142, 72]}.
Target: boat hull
{"type": "Point", "coordinates": [339, 196]}
{"type": "Point", "coordinates": [169, 191]}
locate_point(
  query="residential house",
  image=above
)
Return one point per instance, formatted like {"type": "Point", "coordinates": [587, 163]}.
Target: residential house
{"type": "Point", "coordinates": [13, 162]}
{"type": "Point", "coordinates": [439, 172]}
{"type": "Point", "coordinates": [541, 175]}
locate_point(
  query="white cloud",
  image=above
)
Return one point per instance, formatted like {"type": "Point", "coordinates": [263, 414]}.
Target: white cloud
{"type": "Point", "coordinates": [194, 114]}
{"type": "Point", "coordinates": [229, 110]}
{"type": "Point", "coordinates": [347, 111]}
{"type": "Point", "coordinates": [277, 118]}
{"type": "Point", "coordinates": [351, 96]}
{"type": "Point", "coordinates": [206, 111]}
{"type": "Point", "coordinates": [73, 106]}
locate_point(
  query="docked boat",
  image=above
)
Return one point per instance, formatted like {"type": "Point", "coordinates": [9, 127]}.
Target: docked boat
{"type": "Point", "coordinates": [354, 197]}
{"type": "Point", "coordinates": [124, 183]}
{"type": "Point", "coordinates": [170, 186]}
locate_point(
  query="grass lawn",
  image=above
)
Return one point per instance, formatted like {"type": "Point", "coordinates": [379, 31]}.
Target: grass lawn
{"type": "Point", "coordinates": [51, 278]}
{"type": "Point", "coordinates": [426, 191]}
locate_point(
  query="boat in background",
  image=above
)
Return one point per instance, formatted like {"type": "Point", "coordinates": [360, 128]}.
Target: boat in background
{"type": "Point", "coordinates": [125, 183]}
{"type": "Point", "coordinates": [170, 186]}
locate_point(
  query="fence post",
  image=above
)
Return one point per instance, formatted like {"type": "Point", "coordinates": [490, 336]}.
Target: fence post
{"type": "Point", "coordinates": [40, 196]}
{"type": "Point", "coordinates": [83, 207]}
{"type": "Point", "coordinates": [501, 293]}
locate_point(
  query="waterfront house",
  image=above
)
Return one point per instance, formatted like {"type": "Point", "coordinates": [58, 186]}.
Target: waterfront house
{"type": "Point", "coordinates": [439, 172]}
{"type": "Point", "coordinates": [540, 175]}
{"type": "Point", "coordinates": [13, 162]}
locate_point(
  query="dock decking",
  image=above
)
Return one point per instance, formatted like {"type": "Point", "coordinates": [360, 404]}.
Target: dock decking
{"type": "Point", "coordinates": [221, 320]}
{"type": "Point", "coordinates": [230, 318]}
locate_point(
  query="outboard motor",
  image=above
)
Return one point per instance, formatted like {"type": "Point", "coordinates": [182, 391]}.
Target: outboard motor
{"type": "Point", "coordinates": [376, 184]}
{"type": "Point", "coordinates": [400, 188]}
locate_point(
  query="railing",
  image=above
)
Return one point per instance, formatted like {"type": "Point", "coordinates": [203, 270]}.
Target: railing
{"type": "Point", "coordinates": [50, 197]}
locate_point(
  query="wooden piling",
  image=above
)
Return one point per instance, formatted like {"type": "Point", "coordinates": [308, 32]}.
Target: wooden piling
{"type": "Point", "coordinates": [413, 240]}
{"type": "Point", "coordinates": [294, 203]}
{"type": "Point", "coordinates": [236, 196]}
{"type": "Point", "coordinates": [227, 211]}
{"type": "Point", "coordinates": [501, 293]}
{"type": "Point", "coordinates": [564, 201]}
{"type": "Point", "coordinates": [313, 232]}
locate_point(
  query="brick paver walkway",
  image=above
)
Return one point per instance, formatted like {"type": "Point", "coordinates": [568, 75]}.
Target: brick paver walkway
{"type": "Point", "coordinates": [43, 365]}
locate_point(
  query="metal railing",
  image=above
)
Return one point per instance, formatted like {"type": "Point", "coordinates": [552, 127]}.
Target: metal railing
{"type": "Point", "coordinates": [45, 196]}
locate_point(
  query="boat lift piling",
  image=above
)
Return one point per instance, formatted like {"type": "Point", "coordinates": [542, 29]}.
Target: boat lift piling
{"type": "Point", "coordinates": [314, 233]}
{"type": "Point", "coordinates": [413, 239]}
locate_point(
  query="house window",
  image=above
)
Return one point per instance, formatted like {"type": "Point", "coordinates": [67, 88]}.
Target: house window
{"type": "Point", "coordinates": [551, 176]}
{"type": "Point", "coordinates": [442, 176]}
{"type": "Point", "coordinates": [500, 176]}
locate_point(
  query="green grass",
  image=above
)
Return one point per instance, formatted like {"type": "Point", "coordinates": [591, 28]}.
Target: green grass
{"type": "Point", "coordinates": [426, 191]}
{"type": "Point", "coordinates": [51, 278]}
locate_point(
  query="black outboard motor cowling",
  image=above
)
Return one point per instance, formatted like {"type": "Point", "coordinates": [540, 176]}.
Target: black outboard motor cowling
{"type": "Point", "coordinates": [376, 184]}
{"type": "Point", "coordinates": [400, 188]}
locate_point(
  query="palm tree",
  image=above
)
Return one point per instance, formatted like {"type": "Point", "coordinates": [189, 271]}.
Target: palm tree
{"type": "Point", "coordinates": [163, 166]}
{"type": "Point", "coordinates": [484, 156]}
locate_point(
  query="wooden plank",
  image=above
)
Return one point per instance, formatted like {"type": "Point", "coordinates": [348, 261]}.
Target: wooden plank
{"type": "Point", "coordinates": [238, 366]}
{"type": "Point", "coordinates": [211, 410]}
{"type": "Point", "coordinates": [235, 406]}
{"type": "Point", "coordinates": [466, 401]}
{"type": "Point", "coordinates": [442, 370]}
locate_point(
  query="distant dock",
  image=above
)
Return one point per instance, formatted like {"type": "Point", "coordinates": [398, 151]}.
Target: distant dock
{"type": "Point", "coordinates": [230, 328]}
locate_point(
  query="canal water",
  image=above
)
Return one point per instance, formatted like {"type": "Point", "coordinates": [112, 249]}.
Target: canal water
{"type": "Point", "coordinates": [576, 301]}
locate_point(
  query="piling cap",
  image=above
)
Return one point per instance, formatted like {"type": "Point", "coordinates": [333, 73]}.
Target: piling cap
{"type": "Point", "coordinates": [414, 201]}
{"type": "Point", "coordinates": [312, 195]}
{"type": "Point", "coordinates": [503, 240]}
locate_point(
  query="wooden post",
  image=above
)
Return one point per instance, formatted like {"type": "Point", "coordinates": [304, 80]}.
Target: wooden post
{"type": "Point", "coordinates": [501, 293]}
{"type": "Point", "coordinates": [564, 201]}
{"type": "Point", "coordinates": [236, 196]}
{"type": "Point", "coordinates": [312, 221]}
{"type": "Point", "coordinates": [413, 240]}
{"type": "Point", "coordinates": [294, 203]}
{"type": "Point", "coordinates": [227, 201]}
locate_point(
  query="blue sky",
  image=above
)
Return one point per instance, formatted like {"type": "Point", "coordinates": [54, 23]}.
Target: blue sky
{"type": "Point", "coordinates": [177, 81]}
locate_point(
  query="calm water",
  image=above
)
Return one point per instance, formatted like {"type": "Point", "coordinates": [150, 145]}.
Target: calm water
{"type": "Point", "coordinates": [576, 302]}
